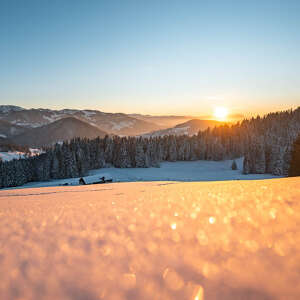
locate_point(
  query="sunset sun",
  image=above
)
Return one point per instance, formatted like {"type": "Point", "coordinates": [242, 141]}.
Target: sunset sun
{"type": "Point", "coordinates": [221, 113]}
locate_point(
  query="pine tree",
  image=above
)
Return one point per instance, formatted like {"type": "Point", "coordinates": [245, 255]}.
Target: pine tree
{"type": "Point", "coordinates": [140, 156]}
{"type": "Point", "coordinates": [152, 153]}
{"type": "Point", "coordinates": [122, 159]}
{"type": "Point", "coordinates": [247, 164]}
{"type": "Point", "coordinates": [294, 169]}
{"type": "Point", "coordinates": [278, 161]}
{"type": "Point", "coordinates": [172, 151]}
{"type": "Point", "coordinates": [234, 165]}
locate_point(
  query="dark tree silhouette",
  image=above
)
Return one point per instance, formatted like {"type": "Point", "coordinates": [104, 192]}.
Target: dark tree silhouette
{"type": "Point", "coordinates": [294, 169]}
{"type": "Point", "coordinates": [234, 165]}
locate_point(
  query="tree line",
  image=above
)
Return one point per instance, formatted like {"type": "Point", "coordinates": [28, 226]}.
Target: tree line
{"type": "Point", "coordinates": [266, 143]}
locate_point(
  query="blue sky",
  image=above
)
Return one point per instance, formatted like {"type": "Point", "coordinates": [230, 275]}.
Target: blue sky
{"type": "Point", "coordinates": [159, 57]}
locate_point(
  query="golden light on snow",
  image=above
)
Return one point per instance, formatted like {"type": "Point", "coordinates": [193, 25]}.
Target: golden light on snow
{"type": "Point", "coordinates": [179, 241]}
{"type": "Point", "coordinates": [173, 226]}
{"type": "Point", "coordinates": [212, 220]}
{"type": "Point", "coordinates": [172, 279]}
{"type": "Point", "coordinates": [221, 113]}
{"type": "Point", "coordinates": [199, 293]}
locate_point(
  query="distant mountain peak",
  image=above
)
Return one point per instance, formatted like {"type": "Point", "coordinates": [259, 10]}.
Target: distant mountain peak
{"type": "Point", "coordinates": [8, 108]}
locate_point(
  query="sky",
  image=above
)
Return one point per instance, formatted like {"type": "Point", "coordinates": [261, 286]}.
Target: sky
{"type": "Point", "coordinates": [151, 57]}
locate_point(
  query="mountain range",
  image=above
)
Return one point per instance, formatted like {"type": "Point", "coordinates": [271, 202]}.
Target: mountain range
{"type": "Point", "coordinates": [190, 127]}
{"type": "Point", "coordinates": [43, 127]}
{"type": "Point", "coordinates": [57, 131]}
{"type": "Point", "coordinates": [112, 123]}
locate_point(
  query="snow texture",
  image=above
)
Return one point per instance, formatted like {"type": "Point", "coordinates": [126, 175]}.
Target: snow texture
{"type": "Point", "coordinates": [155, 240]}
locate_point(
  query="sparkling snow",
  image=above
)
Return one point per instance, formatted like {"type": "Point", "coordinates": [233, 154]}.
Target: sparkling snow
{"type": "Point", "coordinates": [154, 240]}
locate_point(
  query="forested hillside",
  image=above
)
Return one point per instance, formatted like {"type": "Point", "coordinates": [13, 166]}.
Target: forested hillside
{"type": "Point", "coordinates": [265, 142]}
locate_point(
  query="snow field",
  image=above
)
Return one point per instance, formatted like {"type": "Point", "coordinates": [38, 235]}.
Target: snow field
{"type": "Point", "coordinates": [153, 240]}
{"type": "Point", "coordinates": [168, 171]}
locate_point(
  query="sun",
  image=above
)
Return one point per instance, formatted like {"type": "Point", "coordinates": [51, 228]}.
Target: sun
{"type": "Point", "coordinates": [221, 113]}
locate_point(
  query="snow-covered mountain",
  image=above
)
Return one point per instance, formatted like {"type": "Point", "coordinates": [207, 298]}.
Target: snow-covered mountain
{"type": "Point", "coordinates": [9, 108]}
{"type": "Point", "coordinates": [162, 121]}
{"type": "Point", "coordinates": [113, 123]}
{"type": "Point", "coordinates": [7, 129]}
{"type": "Point", "coordinates": [190, 128]}
{"type": "Point", "coordinates": [57, 131]}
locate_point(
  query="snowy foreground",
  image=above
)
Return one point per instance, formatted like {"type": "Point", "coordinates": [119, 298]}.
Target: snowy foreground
{"type": "Point", "coordinates": [200, 170]}
{"type": "Point", "coordinates": [152, 240]}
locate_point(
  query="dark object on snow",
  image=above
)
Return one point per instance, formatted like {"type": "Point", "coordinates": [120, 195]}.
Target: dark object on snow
{"type": "Point", "coordinates": [294, 169]}
{"type": "Point", "coordinates": [94, 180]}
{"type": "Point", "coordinates": [234, 165]}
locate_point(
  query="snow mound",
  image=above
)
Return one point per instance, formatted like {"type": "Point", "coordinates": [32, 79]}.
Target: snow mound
{"type": "Point", "coordinates": [155, 240]}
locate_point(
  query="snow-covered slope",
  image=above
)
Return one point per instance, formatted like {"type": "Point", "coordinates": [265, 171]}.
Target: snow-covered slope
{"type": "Point", "coordinates": [200, 170]}
{"type": "Point", "coordinates": [7, 129]}
{"type": "Point", "coordinates": [163, 121]}
{"type": "Point", "coordinates": [190, 128]}
{"type": "Point", "coordinates": [58, 131]}
{"type": "Point", "coordinates": [9, 108]}
{"type": "Point", "coordinates": [156, 240]}
{"type": "Point", "coordinates": [10, 155]}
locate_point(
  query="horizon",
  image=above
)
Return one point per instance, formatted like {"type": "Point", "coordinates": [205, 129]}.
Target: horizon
{"type": "Point", "coordinates": [230, 118]}
{"type": "Point", "coordinates": [151, 58]}
{"type": "Point", "coordinates": [231, 115]}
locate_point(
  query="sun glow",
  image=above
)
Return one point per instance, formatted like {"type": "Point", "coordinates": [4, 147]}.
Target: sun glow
{"type": "Point", "coordinates": [221, 113]}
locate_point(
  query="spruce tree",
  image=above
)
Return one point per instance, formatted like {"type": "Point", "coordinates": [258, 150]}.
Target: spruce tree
{"type": "Point", "coordinates": [294, 169]}
{"type": "Point", "coordinates": [234, 165]}
{"type": "Point", "coordinates": [140, 157]}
